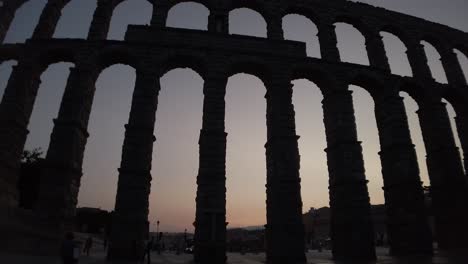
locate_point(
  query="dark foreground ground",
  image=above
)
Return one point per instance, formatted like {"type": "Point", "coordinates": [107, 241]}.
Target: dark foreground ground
{"type": "Point", "coordinates": [98, 257]}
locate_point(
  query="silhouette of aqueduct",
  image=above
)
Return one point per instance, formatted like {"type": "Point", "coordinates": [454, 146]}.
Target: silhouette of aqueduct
{"type": "Point", "coordinates": [154, 49]}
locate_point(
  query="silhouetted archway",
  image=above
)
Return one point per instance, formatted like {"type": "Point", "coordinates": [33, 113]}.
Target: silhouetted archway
{"type": "Point", "coordinates": [188, 15]}
{"type": "Point", "coordinates": [238, 18]}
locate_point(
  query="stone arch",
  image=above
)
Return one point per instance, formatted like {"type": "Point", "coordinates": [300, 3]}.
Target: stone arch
{"type": "Point", "coordinates": [433, 49]}
{"type": "Point", "coordinates": [46, 57]}
{"type": "Point", "coordinates": [256, 5]}
{"type": "Point", "coordinates": [412, 107]}
{"type": "Point", "coordinates": [47, 102]}
{"type": "Point", "coordinates": [10, 52]}
{"type": "Point", "coordinates": [195, 63]}
{"type": "Point", "coordinates": [396, 50]}
{"type": "Point", "coordinates": [70, 26]}
{"type": "Point", "coordinates": [117, 55]}
{"type": "Point", "coordinates": [6, 68]}
{"type": "Point", "coordinates": [103, 119]}
{"type": "Point", "coordinates": [301, 11]}
{"type": "Point", "coordinates": [397, 32]}
{"type": "Point", "coordinates": [311, 39]}
{"type": "Point", "coordinates": [307, 99]}
{"type": "Point", "coordinates": [206, 3]}
{"type": "Point", "coordinates": [236, 27]}
{"type": "Point", "coordinates": [368, 135]}
{"type": "Point", "coordinates": [357, 32]}
{"type": "Point", "coordinates": [20, 28]}
{"type": "Point", "coordinates": [458, 114]}
{"type": "Point", "coordinates": [142, 10]}
{"type": "Point", "coordinates": [243, 81]}
{"type": "Point", "coordinates": [202, 12]}
{"type": "Point", "coordinates": [353, 21]}
{"type": "Point", "coordinates": [323, 79]}
{"type": "Point", "coordinates": [251, 67]}
{"type": "Point", "coordinates": [462, 61]}
{"type": "Point", "coordinates": [178, 124]}
{"type": "Point", "coordinates": [370, 84]}
{"type": "Point", "coordinates": [414, 90]}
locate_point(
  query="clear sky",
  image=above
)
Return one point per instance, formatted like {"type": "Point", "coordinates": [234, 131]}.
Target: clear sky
{"type": "Point", "coordinates": [175, 159]}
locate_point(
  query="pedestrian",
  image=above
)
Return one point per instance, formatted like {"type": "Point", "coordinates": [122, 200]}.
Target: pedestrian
{"type": "Point", "coordinates": [149, 247]}
{"type": "Point", "coordinates": [88, 245]}
{"type": "Point", "coordinates": [69, 251]}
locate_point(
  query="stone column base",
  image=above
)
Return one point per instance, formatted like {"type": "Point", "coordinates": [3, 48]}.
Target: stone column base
{"type": "Point", "coordinates": [25, 233]}
{"type": "Point", "coordinates": [210, 253]}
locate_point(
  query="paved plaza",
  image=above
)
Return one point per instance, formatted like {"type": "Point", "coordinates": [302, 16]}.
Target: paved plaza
{"type": "Point", "coordinates": [314, 257]}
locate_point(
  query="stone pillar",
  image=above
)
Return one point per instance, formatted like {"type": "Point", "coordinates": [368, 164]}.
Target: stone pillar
{"type": "Point", "coordinates": [352, 231]}
{"type": "Point", "coordinates": [275, 28]}
{"type": "Point", "coordinates": [101, 20]}
{"type": "Point", "coordinates": [376, 52]}
{"type": "Point", "coordinates": [60, 181]}
{"type": "Point", "coordinates": [285, 228]}
{"type": "Point", "coordinates": [15, 111]}
{"type": "Point", "coordinates": [218, 22]}
{"type": "Point", "coordinates": [328, 42]}
{"type": "Point", "coordinates": [418, 61]}
{"type": "Point", "coordinates": [407, 223]}
{"type": "Point", "coordinates": [130, 220]}
{"type": "Point", "coordinates": [210, 220]}
{"type": "Point", "coordinates": [452, 67]}
{"type": "Point", "coordinates": [49, 18]}
{"type": "Point", "coordinates": [462, 127]}
{"type": "Point", "coordinates": [160, 12]}
{"type": "Point", "coordinates": [448, 182]}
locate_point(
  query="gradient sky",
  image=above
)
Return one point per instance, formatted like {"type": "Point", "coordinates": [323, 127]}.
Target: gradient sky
{"type": "Point", "coordinates": [175, 158]}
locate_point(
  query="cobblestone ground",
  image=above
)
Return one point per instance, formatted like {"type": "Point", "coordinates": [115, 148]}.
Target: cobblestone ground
{"type": "Point", "coordinates": [314, 257]}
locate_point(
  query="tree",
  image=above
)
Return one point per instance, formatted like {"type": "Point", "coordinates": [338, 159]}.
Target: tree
{"type": "Point", "coordinates": [31, 156]}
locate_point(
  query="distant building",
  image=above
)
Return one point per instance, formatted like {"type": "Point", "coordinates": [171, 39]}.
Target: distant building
{"type": "Point", "coordinates": [317, 221]}
{"type": "Point", "coordinates": [92, 220]}
{"type": "Point", "coordinates": [245, 240]}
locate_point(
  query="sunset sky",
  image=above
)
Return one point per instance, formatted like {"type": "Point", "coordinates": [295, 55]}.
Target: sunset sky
{"type": "Point", "coordinates": [175, 158]}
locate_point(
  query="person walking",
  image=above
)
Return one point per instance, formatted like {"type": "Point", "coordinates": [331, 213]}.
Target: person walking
{"type": "Point", "coordinates": [69, 251]}
{"type": "Point", "coordinates": [88, 245]}
{"type": "Point", "coordinates": [149, 247]}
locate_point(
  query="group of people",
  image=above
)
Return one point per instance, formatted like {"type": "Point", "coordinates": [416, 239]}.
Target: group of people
{"type": "Point", "coordinates": [70, 250]}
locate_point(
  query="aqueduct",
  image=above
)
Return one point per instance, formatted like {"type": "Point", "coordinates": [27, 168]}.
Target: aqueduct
{"type": "Point", "coordinates": [154, 49]}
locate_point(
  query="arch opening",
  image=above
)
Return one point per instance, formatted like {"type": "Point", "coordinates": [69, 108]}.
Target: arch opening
{"type": "Point", "coordinates": [434, 62]}
{"type": "Point", "coordinates": [245, 155]}
{"type": "Point", "coordinates": [307, 99]}
{"type": "Point", "coordinates": [300, 28]}
{"type": "Point", "coordinates": [136, 12]}
{"type": "Point", "coordinates": [176, 151]}
{"type": "Point", "coordinates": [369, 135]}
{"type": "Point", "coordinates": [246, 21]}
{"type": "Point", "coordinates": [6, 69]}
{"type": "Point", "coordinates": [452, 116]}
{"type": "Point", "coordinates": [463, 61]}
{"type": "Point", "coordinates": [76, 19]}
{"type": "Point", "coordinates": [109, 114]}
{"type": "Point", "coordinates": [189, 15]}
{"type": "Point", "coordinates": [47, 105]}
{"type": "Point", "coordinates": [25, 21]}
{"type": "Point", "coordinates": [351, 44]}
{"type": "Point", "coordinates": [396, 54]}
{"type": "Point", "coordinates": [416, 135]}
